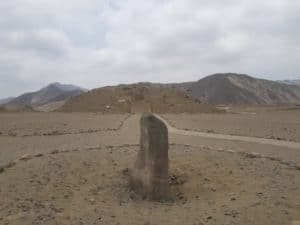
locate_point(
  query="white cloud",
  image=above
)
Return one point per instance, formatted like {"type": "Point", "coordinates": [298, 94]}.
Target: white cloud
{"type": "Point", "coordinates": [95, 43]}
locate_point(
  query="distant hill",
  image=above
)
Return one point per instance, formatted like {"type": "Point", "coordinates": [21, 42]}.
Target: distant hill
{"type": "Point", "coordinates": [52, 93]}
{"type": "Point", "coordinates": [233, 88]}
{"type": "Point", "coordinates": [136, 98]}
{"type": "Point", "coordinates": [290, 82]}
{"type": "Point", "coordinates": [5, 100]}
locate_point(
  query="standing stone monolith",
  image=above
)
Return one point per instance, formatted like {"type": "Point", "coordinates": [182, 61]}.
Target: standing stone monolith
{"type": "Point", "coordinates": [151, 170]}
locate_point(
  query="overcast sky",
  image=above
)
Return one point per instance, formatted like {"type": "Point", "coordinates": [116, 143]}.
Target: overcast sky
{"type": "Point", "coordinates": [93, 43]}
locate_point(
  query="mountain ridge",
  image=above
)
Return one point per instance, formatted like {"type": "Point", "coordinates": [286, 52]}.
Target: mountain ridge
{"type": "Point", "coordinates": [215, 89]}
{"type": "Point", "coordinates": [235, 89]}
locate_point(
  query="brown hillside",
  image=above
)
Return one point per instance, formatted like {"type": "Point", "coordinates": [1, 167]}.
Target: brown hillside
{"type": "Point", "coordinates": [136, 98]}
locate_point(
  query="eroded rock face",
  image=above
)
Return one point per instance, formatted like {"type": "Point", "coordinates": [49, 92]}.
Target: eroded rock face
{"type": "Point", "coordinates": [151, 170]}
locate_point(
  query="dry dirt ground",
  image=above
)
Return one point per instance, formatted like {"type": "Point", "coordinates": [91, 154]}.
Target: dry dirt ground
{"type": "Point", "coordinates": [72, 168]}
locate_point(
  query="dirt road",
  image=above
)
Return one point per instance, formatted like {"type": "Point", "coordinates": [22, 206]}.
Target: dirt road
{"type": "Point", "coordinates": [265, 141]}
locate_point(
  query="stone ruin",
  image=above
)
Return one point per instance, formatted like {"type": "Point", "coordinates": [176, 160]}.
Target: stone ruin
{"type": "Point", "coordinates": [150, 175]}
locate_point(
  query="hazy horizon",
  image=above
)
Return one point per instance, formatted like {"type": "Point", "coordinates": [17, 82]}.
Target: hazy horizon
{"type": "Point", "coordinates": [98, 43]}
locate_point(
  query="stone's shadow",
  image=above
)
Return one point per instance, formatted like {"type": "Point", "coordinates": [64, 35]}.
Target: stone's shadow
{"type": "Point", "coordinates": [174, 194]}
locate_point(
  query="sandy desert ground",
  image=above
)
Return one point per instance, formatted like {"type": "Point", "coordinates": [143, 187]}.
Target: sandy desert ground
{"type": "Point", "coordinates": [72, 168]}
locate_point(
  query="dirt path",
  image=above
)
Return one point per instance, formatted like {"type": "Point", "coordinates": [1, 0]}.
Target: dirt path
{"type": "Point", "coordinates": [280, 150]}
{"type": "Point", "coordinates": [265, 141]}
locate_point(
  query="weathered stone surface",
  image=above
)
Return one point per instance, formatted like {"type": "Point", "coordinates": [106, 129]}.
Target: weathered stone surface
{"type": "Point", "coordinates": [150, 173]}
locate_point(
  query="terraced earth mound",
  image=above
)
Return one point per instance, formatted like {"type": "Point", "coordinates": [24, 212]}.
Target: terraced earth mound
{"type": "Point", "coordinates": [142, 97]}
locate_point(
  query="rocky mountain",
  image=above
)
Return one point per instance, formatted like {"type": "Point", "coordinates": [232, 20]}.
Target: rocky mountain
{"type": "Point", "coordinates": [52, 93]}
{"type": "Point", "coordinates": [230, 88]}
{"type": "Point", "coordinates": [136, 98]}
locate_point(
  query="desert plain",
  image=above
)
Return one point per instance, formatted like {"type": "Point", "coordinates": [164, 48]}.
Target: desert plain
{"type": "Point", "coordinates": [239, 167]}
